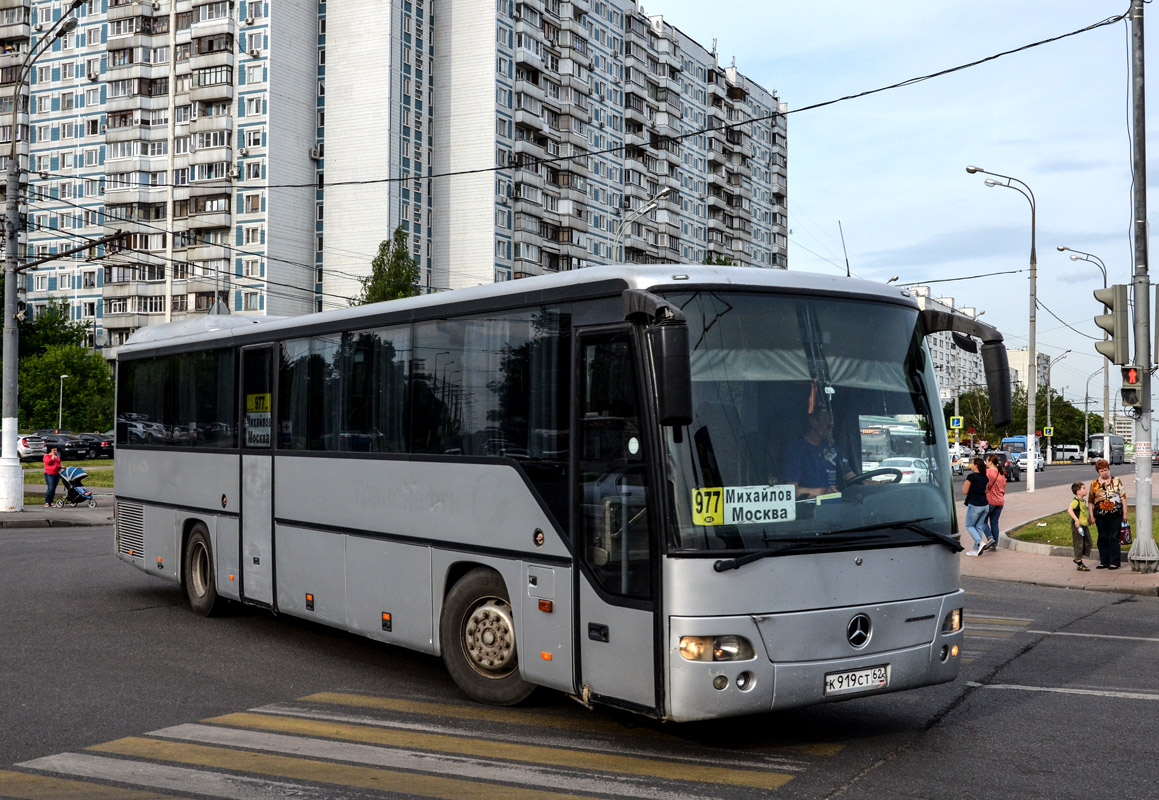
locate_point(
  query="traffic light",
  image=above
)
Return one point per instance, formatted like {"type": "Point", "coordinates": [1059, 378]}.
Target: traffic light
{"type": "Point", "coordinates": [1118, 347]}
{"type": "Point", "coordinates": [1132, 387]}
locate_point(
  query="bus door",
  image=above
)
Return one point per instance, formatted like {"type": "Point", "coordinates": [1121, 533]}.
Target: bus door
{"type": "Point", "coordinates": [615, 545]}
{"type": "Point", "coordinates": [257, 472]}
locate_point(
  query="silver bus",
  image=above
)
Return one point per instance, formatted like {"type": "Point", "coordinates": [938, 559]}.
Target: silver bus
{"type": "Point", "coordinates": [1117, 452]}
{"type": "Point", "coordinates": [581, 481]}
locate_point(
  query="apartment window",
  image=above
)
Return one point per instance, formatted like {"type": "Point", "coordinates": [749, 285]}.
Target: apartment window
{"type": "Point", "coordinates": [88, 309]}
{"type": "Point", "coordinates": [151, 305]}
{"type": "Point", "coordinates": [214, 76]}
{"type": "Point", "coordinates": [253, 106]}
{"type": "Point", "coordinates": [218, 10]}
{"type": "Point", "coordinates": [252, 203]}
{"type": "Point", "coordinates": [214, 44]}
{"type": "Point", "coordinates": [253, 170]}
{"type": "Point", "coordinates": [253, 137]}
{"type": "Point", "coordinates": [180, 302]}
{"type": "Point", "coordinates": [251, 301]}
{"type": "Point", "coordinates": [252, 268]}
{"type": "Point", "coordinates": [252, 234]}
{"type": "Point", "coordinates": [254, 74]}
{"type": "Point", "coordinates": [40, 283]}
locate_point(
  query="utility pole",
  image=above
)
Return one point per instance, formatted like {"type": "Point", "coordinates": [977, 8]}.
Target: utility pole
{"type": "Point", "coordinates": [1144, 556]}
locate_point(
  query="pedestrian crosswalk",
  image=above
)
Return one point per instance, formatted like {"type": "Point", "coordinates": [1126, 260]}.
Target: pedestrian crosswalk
{"type": "Point", "coordinates": [336, 745]}
{"type": "Point", "coordinates": [982, 628]}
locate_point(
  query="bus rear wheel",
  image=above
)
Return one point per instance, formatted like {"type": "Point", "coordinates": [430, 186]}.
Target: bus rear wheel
{"type": "Point", "coordinates": [199, 575]}
{"type": "Point", "coordinates": [477, 632]}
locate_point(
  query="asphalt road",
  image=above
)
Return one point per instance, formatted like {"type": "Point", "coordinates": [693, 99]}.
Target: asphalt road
{"type": "Point", "coordinates": [1054, 475]}
{"type": "Point", "coordinates": [109, 680]}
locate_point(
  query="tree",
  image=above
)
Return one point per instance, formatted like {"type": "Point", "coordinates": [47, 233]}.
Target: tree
{"type": "Point", "coordinates": [394, 274]}
{"type": "Point", "coordinates": [723, 261]}
{"type": "Point", "coordinates": [52, 327]}
{"type": "Point", "coordinates": [88, 391]}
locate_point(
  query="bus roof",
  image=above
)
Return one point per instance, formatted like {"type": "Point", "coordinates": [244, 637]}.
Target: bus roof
{"type": "Point", "coordinates": [599, 281]}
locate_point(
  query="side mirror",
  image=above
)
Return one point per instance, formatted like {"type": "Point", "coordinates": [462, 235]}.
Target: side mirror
{"type": "Point", "coordinates": [997, 368]}
{"type": "Point", "coordinates": [672, 367]}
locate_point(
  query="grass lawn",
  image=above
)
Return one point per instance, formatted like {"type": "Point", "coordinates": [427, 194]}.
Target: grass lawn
{"type": "Point", "coordinates": [1056, 531]}
{"type": "Point", "coordinates": [97, 477]}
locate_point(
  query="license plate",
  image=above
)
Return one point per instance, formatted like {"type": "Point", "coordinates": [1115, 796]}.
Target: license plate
{"type": "Point", "coordinates": [857, 680]}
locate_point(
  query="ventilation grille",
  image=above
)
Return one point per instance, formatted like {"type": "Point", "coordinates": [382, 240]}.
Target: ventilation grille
{"type": "Point", "coordinates": [130, 530]}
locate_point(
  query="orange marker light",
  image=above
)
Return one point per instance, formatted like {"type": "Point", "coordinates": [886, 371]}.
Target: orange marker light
{"type": "Point", "coordinates": [545, 656]}
{"type": "Point", "coordinates": [545, 606]}
{"type": "Point", "coordinates": [231, 577]}
{"type": "Point", "coordinates": [954, 651]}
{"type": "Point", "coordinates": [309, 598]}
{"type": "Point", "coordinates": [158, 559]}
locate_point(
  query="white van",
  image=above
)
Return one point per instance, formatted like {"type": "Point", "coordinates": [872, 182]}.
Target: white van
{"type": "Point", "coordinates": [1068, 452]}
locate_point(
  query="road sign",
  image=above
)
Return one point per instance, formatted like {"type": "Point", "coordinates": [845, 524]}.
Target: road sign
{"type": "Point", "coordinates": [955, 422]}
{"type": "Point", "coordinates": [1048, 431]}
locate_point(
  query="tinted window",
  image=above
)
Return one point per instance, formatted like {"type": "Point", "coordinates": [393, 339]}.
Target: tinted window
{"type": "Point", "coordinates": [184, 400]}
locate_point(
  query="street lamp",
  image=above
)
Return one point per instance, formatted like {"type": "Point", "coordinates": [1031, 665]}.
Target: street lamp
{"type": "Point", "coordinates": [60, 406]}
{"type": "Point", "coordinates": [1032, 357]}
{"type": "Point", "coordinates": [631, 217]}
{"type": "Point", "coordinates": [1049, 367]}
{"type": "Point", "coordinates": [11, 475]}
{"type": "Point", "coordinates": [1079, 255]}
{"type": "Point", "coordinates": [1087, 419]}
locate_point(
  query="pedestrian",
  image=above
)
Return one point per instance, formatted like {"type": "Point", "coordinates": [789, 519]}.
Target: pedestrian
{"type": "Point", "coordinates": [976, 506]}
{"type": "Point", "coordinates": [51, 475]}
{"type": "Point", "coordinates": [1107, 501]}
{"type": "Point", "coordinates": [1080, 530]}
{"type": "Point", "coordinates": [995, 496]}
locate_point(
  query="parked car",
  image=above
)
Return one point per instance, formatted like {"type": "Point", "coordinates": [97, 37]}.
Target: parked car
{"type": "Point", "coordinates": [913, 470]}
{"type": "Point", "coordinates": [29, 447]}
{"type": "Point", "coordinates": [1010, 467]}
{"type": "Point", "coordinates": [71, 448]}
{"type": "Point", "coordinates": [1039, 462]}
{"type": "Point", "coordinates": [100, 445]}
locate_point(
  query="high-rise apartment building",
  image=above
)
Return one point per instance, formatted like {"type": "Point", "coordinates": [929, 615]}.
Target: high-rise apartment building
{"type": "Point", "coordinates": [257, 152]}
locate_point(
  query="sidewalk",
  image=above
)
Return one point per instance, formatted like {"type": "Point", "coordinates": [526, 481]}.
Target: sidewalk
{"type": "Point", "coordinates": [1031, 563]}
{"type": "Point", "coordinates": [37, 516]}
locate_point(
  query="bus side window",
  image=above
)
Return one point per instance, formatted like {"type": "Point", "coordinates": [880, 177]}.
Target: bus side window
{"type": "Point", "coordinates": [612, 471]}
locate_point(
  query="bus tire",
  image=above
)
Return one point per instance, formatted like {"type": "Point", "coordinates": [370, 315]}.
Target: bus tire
{"type": "Point", "coordinates": [477, 633]}
{"type": "Point", "coordinates": [198, 574]}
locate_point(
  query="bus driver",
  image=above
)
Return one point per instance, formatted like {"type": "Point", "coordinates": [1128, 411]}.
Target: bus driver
{"type": "Point", "coordinates": [813, 460]}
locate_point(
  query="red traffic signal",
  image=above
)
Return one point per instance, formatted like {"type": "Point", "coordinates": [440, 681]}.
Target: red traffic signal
{"type": "Point", "coordinates": [1130, 376]}
{"type": "Point", "coordinates": [1132, 386]}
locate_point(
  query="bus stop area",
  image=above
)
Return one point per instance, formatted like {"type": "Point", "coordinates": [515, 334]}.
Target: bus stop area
{"type": "Point", "coordinates": [1020, 562]}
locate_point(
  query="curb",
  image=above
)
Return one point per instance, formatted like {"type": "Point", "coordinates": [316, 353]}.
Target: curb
{"type": "Point", "coordinates": [53, 523]}
{"type": "Point", "coordinates": [1144, 591]}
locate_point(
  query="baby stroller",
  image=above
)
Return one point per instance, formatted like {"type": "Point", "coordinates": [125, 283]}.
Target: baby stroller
{"type": "Point", "coordinates": [71, 478]}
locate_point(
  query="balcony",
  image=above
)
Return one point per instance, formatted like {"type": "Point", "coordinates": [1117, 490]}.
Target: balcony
{"type": "Point", "coordinates": [202, 252]}
{"type": "Point", "coordinates": [529, 149]}
{"type": "Point", "coordinates": [213, 27]}
{"type": "Point", "coordinates": [219, 91]}
{"type": "Point", "coordinates": [223, 122]}
{"type": "Point", "coordinates": [531, 119]}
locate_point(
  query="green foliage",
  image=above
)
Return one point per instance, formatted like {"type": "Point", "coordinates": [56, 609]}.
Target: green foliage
{"type": "Point", "coordinates": [1057, 529]}
{"type": "Point", "coordinates": [51, 328]}
{"type": "Point", "coordinates": [1067, 420]}
{"type": "Point", "coordinates": [394, 274]}
{"type": "Point", "coordinates": [723, 261]}
{"type": "Point", "coordinates": [88, 389]}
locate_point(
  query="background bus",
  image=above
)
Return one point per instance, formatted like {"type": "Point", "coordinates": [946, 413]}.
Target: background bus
{"type": "Point", "coordinates": [1095, 447]}
{"type": "Point", "coordinates": [1017, 444]}
{"type": "Point", "coordinates": [578, 481]}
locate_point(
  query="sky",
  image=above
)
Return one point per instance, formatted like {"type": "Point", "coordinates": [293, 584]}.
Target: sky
{"type": "Point", "coordinates": [891, 167]}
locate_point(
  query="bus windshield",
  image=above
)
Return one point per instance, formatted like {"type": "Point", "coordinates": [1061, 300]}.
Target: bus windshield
{"type": "Point", "coordinates": [812, 417]}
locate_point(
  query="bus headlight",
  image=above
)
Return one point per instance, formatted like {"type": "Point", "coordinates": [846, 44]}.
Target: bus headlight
{"type": "Point", "coordinates": [715, 648]}
{"type": "Point", "coordinates": [953, 621]}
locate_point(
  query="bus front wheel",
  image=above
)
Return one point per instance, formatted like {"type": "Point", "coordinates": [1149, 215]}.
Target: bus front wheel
{"type": "Point", "coordinates": [199, 574]}
{"type": "Point", "coordinates": [478, 640]}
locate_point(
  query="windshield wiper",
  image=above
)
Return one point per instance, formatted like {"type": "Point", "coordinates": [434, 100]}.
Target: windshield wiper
{"type": "Point", "coordinates": [811, 544]}
{"type": "Point", "coordinates": [914, 525]}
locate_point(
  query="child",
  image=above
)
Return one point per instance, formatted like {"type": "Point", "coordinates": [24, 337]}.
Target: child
{"type": "Point", "coordinates": [1079, 527]}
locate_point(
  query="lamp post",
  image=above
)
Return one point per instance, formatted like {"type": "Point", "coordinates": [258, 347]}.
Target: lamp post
{"type": "Point", "coordinates": [1049, 367]}
{"type": "Point", "coordinates": [1032, 356]}
{"type": "Point", "coordinates": [60, 406]}
{"type": "Point", "coordinates": [631, 217]}
{"type": "Point", "coordinates": [11, 475]}
{"type": "Point", "coordinates": [1079, 255]}
{"type": "Point", "coordinates": [1087, 420]}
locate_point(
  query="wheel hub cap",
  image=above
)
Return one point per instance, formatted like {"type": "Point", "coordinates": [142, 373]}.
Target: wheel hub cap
{"type": "Point", "coordinates": [489, 637]}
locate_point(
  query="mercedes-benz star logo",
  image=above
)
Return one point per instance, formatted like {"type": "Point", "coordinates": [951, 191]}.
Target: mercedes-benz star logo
{"type": "Point", "coordinates": [858, 631]}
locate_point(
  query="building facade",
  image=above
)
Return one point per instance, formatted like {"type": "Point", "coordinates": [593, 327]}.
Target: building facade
{"type": "Point", "coordinates": [256, 153]}
{"type": "Point", "coordinates": [1019, 360]}
{"type": "Point", "coordinates": [958, 372]}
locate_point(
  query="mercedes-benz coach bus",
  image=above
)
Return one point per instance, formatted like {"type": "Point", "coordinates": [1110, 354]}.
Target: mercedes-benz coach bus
{"type": "Point", "coordinates": [589, 481]}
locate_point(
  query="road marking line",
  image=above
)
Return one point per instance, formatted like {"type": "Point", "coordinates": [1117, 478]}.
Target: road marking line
{"type": "Point", "coordinates": [588, 724]}
{"type": "Point", "coordinates": [1095, 636]}
{"type": "Point", "coordinates": [162, 776]}
{"type": "Point", "coordinates": [1018, 621]}
{"type": "Point", "coordinates": [349, 775]}
{"type": "Point", "coordinates": [535, 737]}
{"type": "Point", "coordinates": [487, 748]}
{"type": "Point", "coordinates": [1063, 690]}
{"type": "Point", "coordinates": [416, 761]}
{"type": "Point", "coordinates": [972, 633]}
{"type": "Point", "coordinates": [43, 787]}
